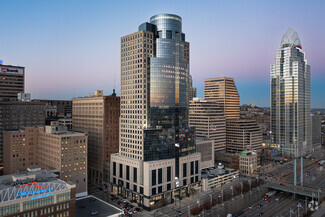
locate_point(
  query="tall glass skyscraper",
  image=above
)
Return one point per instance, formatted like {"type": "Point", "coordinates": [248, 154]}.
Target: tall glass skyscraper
{"type": "Point", "coordinates": [157, 162]}
{"type": "Point", "coordinates": [290, 97]}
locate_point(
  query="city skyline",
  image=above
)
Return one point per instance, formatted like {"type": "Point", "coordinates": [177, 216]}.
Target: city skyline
{"type": "Point", "coordinates": [65, 47]}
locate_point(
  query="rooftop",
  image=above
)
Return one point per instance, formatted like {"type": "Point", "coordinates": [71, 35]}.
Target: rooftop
{"type": "Point", "coordinates": [290, 39]}
{"type": "Point", "coordinates": [213, 172]}
{"type": "Point", "coordinates": [85, 206]}
{"type": "Point", "coordinates": [21, 182]}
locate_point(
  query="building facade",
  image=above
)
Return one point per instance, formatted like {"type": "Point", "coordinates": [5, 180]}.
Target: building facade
{"type": "Point", "coordinates": [36, 193]}
{"type": "Point", "coordinates": [248, 162]}
{"type": "Point", "coordinates": [157, 161]}
{"type": "Point", "coordinates": [206, 148]}
{"type": "Point", "coordinates": [223, 91]}
{"type": "Point", "coordinates": [15, 115]}
{"type": "Point", "coordinates": [243, 134]}
{"type": "Point", "coordinates": [216, 177]}
{"type": "Point", "coordinates": [98, 115]}
{"type": "Point", "coordinates": [64, 152]}
{"type": "Point", "coordinates": [20, 148]}
{"type": "Point", "coordinates": [290, 97]}
{"type": "Point", "coordinates": [12, 82]}
{"type": "Point", "coordinates": [191, 89]}
{"type": "Point", "coordinates": [316, 131]}
{"type": "Point", "coordinates": [209, 122]}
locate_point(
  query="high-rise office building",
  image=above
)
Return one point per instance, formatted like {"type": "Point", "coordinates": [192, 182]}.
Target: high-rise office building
{"type": "Point", "coordinates": [15, 115]}
{"type": "Point", "coordinates": [223, 90]}
{"type": "Point", "coordinates": [157, 161]}
{"type": "Point", "coordinates": [12, 82]}
{"type": "Point", "coordinates": [209, 122]}
{"type": "Point", "coordinates": [242, 135]}
{"type": "Point", "coordinates": [98, 115]}
{"type": "Point", "coordinates": [191, 89]}
{"type": "Point", "coordinates": [290, 97]}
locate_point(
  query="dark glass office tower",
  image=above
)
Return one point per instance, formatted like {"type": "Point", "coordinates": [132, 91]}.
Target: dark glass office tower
{"type": "Point", "coordinates": [168, 135]}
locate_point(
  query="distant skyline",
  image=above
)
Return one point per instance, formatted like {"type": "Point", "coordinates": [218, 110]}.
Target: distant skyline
{"type": "Point", "coordinates": [72, 48]}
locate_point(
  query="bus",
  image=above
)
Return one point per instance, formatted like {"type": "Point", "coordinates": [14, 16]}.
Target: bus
{"type": "Point", "coordinates": [269, 195]}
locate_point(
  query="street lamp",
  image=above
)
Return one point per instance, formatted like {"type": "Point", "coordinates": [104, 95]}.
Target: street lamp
{"type": "Point", "coordinates": [221, 195]}
{"type": "Point", "coordinates": [250, 185]}
{"type": "Point", "coordinates": [291, 211]}
{"type": "Point", "coordinates": [189, 210]}
{"type": "Point", "coordinates": [299, 205]}
{"type": "Point", "coordinates": [241, 185]}
{"type": "Point", "coordinates": [232, 192]}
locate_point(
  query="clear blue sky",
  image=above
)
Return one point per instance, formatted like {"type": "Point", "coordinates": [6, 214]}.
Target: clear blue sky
{"type": "Point", "coordinates": [70, 48]}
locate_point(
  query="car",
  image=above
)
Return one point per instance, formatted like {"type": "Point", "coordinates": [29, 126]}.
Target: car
{"type": "Point", "coordinates": [267, 201]}
{"type": "Point", "coordinates": [277, 199]}
{"type": "Point", "coordinates": [138, 209]}
{"type": "Point", "coordinates": [260, 214]}
{"type": "Point", "coordinates": [250, 207]}
{"type": "Point", "coordinates": [180, 212]}
{"type": "Point", "coordinates": [94, 213]}
{"type": "Point", "coordinates": [259, 205]}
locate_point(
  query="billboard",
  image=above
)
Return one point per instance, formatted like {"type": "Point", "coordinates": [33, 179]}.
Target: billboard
{"type": "Point", "coordinates": [11, 70]}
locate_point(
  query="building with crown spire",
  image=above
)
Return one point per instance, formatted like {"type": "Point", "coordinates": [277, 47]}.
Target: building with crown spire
{"type": "Point", "coordinates": [290, 97]}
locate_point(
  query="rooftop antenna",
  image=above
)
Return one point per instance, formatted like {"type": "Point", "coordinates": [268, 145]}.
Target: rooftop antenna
{"type": "Point", "coordinates": [114, 79]}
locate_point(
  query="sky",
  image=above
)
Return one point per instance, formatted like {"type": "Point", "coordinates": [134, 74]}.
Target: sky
{"type": "Point", "coordinates": [71, 48]}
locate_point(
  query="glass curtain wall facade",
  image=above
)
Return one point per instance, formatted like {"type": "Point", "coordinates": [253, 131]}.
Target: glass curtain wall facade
{"type": "Point", "coordinates": [290, 98]}
{"type": "Point", "coordinates": [168, 134]}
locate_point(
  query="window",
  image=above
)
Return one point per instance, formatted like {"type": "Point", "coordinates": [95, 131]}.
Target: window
{"type": "Point", "coordinates": [169, 186]}
{"type": "Point", "coordinates": [141, 190]}
{"type": "Point", "coordinates": [121, 171]}
{"type": "Point", "coordinates": [153, 191]}
{"type": "Point", "coordinates": [196, 167]}
{"type": "Point", "coordinates": [169, 174]}
{"type": "Point", "coordinates": [196, 178]}
{"type": "Point", "coordinates": [184, 182]}
{"type": "Point", "coordinates": [153, 177]}
{"type": "Point", "coordinates": [159, 189]}
{"type": "Point", "coordinates": [114, 168]}
{"type": "Point", "coordinates": [160, 176]}
{"type": "Point", "coordinates": [127, 185]}
{"type": "Point", "coordinates": [127, 173]}
{"type": "Point", "coordinates": [135, 174]}
{"type": "Point", "coordinates": [135, 188]}
{"type": "Point", "coordinates": [192, 168]}
{"type": "Point", "coordinates": [168, 34]}
{"type": "Point", "coordinates": [192, 179]}
{"type": "Point", "coordinates": [184, 169]}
